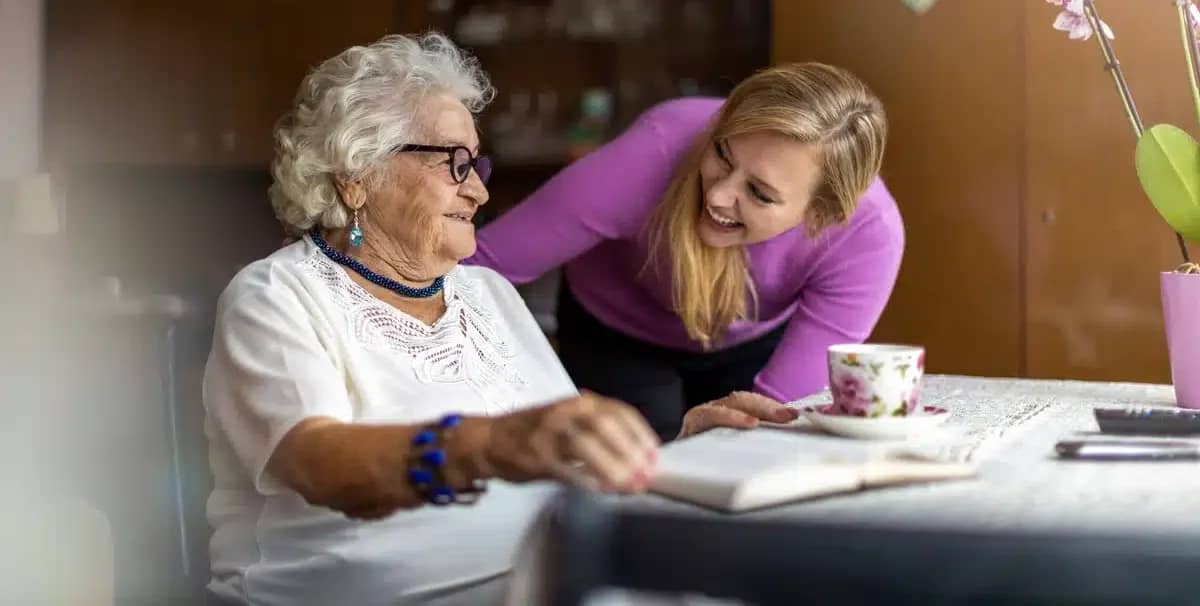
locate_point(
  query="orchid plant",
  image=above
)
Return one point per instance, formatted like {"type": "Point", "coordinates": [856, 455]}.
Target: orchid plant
{"type": "Point", "coordinates": [1166, 157]}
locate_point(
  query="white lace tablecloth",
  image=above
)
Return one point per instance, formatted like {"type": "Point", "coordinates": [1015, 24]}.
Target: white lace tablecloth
{"type": "Point", "coordinates": [1009, 428]}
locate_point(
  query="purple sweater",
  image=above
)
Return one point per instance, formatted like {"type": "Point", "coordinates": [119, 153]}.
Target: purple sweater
{"type": "Point", "coordinates": [591, 217]}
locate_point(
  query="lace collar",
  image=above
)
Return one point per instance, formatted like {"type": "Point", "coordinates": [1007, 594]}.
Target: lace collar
{"type": "Point", "coordinates": [466, 345]}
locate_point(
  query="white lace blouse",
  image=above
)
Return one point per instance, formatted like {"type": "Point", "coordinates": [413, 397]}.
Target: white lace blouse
{"type": "Point", "coordinates": [295, 338]}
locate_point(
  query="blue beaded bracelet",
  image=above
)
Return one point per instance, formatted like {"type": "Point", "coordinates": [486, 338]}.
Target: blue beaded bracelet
{"type": "Point", "coordinates": [427, 463]}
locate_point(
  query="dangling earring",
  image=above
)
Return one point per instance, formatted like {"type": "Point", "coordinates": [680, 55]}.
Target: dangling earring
{"type": "Point", "coordinates": [356, 234]}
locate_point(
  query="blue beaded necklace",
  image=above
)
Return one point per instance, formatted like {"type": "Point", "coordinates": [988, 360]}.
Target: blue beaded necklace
{"type": "Point", "coordinates": [374, 278]}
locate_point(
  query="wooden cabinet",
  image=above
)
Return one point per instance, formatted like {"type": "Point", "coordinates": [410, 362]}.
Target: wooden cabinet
{"type": "Point", "coordinates": [1031, 248]}
{"type": "Point", "coordinates": [610, 61]}
{"type": "Point", "coordinates": [185, 83]}
{"type": "Point", "coordinates": [273, 45]}
{"type": "Point", "coordinates": [115, 83]}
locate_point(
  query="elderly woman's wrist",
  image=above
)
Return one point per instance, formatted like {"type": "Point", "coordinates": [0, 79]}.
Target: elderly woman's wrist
{"type": "Point", "coordinates": [469, 450]}
{"type": "Point", "coordinates": [442, 465]}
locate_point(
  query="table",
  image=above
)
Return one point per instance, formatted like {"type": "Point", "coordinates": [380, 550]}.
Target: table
{"type": "Point", "coordinates": [1062, 531]}
{"type": "Point", "coordinates": [1009, 427]}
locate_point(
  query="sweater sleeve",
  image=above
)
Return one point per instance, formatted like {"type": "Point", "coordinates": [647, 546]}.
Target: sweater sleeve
{"type": "Point", "coordinates": [841, 303]}
{"type": "Point", "coordinates": [269, 369]}
{"type": "Point", "coordinates": [606, 195]}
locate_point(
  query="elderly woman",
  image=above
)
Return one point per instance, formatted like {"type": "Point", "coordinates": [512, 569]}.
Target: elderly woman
{"type": "Point", "coordinates": [362, 385]}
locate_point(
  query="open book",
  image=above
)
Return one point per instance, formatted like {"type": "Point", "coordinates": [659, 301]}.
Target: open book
{"type": "Point", "coordinates": [736, 470]}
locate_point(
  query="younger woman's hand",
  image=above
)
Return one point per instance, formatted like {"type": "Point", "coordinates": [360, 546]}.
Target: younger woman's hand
{"type": "Point", "coordinates": [740, 409]}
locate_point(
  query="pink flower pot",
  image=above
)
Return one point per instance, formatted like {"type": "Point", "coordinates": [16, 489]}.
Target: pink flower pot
{"type": "Point", "coordinates": [1181, 311]}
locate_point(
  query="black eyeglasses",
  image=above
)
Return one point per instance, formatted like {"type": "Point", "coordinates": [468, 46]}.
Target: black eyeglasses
{"type": "Point", "coordinates": [461, 160]}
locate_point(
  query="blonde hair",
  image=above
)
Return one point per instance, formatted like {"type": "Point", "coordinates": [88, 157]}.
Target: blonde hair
{"type": "Point", "coordinates": [812, 103]}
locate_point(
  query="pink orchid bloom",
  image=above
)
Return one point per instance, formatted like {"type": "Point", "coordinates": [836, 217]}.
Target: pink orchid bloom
{"type": "Point", "coordinates": [1073, 20]}
{"type": "Point", "coordinates": [1193, 17]}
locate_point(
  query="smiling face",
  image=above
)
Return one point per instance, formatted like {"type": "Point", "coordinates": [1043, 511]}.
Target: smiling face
{"type": "Point", "coordinates": [755, 186]}
{"type": "Point", "coordinates": [419, 205]}
{"type": "Point", "coordinates": [794, 145]}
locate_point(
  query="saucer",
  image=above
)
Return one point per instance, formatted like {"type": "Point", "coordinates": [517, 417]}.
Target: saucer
{"type": "Point", "coordinates": [878, 428]}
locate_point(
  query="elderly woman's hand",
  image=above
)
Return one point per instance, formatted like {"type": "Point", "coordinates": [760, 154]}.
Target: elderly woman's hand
{"type": "Point", "coordinates": [739, 409]}
{"type": "Point", "coordinates": [588, 440]}
{"type": "Point", "coordinates": [352, 468]}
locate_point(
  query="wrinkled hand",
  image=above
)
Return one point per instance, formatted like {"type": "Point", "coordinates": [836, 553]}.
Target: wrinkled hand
{"type": "Point", "coordinates": [740, 409]}
{"type": "Point", "coordinates": [589, 440]}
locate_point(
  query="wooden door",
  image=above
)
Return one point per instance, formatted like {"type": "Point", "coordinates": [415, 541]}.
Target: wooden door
{"type": "Point", "coordinates": [1095, 243]}
{"type": "Point", "coordinates": [951, 81]}
{"type": "Point", "coordinates": [1032, 249]}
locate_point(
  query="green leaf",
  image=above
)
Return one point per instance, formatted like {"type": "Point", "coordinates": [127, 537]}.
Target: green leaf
{"type": "Point", "coordinates": [919, 6]}
{"type": "Point", "coordinates": [1168, 165]}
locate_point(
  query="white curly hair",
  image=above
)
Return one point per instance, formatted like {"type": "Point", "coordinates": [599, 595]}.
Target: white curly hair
{"type": "Point", "coordinates": [352, 110]}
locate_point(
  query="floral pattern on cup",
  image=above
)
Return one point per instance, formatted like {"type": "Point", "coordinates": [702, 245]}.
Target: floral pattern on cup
{"type": "Point", "coordinates": [852, 393]}
{"type": "Point", "coordinates": [876, 380]}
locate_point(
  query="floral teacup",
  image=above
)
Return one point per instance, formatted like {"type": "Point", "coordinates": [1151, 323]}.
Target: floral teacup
{"type": "Point", "coordinates": [876, 380]}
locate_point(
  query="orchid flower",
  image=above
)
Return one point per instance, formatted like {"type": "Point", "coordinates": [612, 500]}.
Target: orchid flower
{"type": "Point", "coordinates": [1193, 16]}
{"type": "Point", "coordinates": [1074, 21]}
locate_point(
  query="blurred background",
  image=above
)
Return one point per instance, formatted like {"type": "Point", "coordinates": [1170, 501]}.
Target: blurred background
{"type": "Point", "coordinates": [134, 131]}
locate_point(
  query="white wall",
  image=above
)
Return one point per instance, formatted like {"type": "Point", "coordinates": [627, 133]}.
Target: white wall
{"type": "Point", "coordinates": [20, 87]}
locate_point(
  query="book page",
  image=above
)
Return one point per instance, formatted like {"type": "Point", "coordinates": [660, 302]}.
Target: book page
{"type": "Point", "coordinates": [730, 455]}
{"type": "Point", "coordinates": [734, 470]}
